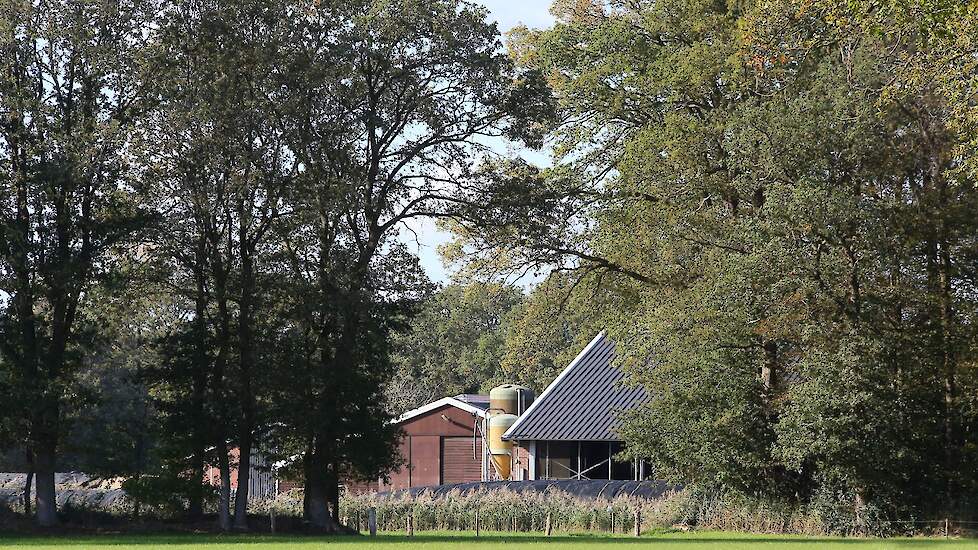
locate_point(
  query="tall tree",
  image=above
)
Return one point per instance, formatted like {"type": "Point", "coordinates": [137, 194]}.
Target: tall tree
{"type": "Point", "coordinates": [220, 129]}
{"type": "Point", "coordinates": [404, 91]}
{"type": "Point", "coordinates": [70, 93]}
{"type": "Point", "coordinates": [779, 194]}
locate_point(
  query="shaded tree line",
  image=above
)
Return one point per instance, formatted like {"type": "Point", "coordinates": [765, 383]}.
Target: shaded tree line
{"type": "Point", "coordinates": [200, 208]}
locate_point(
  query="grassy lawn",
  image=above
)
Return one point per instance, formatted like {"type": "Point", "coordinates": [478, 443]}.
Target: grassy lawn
{"type": "Point", "coordinates": [438, 541]}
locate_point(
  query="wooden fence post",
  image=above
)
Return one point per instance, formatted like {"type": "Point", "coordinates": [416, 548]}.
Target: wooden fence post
{"type": "Point", "coordinates": [477, 526]}
{"type": "Point", "coordinates": [372, 521]}
{"type": "Point", "coordinates": [271, 518]}
{"type": "Point", "coordinates": [410, 523]}
{"type": "Point", "coordinates": [550, 525]}
{"type": "Point", "coordinates": [638, 523]}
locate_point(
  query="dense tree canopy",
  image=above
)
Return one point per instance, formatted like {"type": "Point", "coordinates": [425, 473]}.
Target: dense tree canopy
{"type": "Point", "coordinates": [783, 196]}
{"type": "Point", "coordinates": [71, 91]}
{"type": "Point", "coordinates": [251, 164]}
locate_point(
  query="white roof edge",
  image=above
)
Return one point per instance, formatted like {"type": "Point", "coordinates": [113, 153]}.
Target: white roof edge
{"type": "Point", "coordinates": [563, 373]}
{"type": "Point", "coordinates": [457, 403]}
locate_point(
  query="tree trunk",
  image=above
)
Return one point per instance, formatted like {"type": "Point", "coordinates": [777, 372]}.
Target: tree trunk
{"type": "Point", "coordinates": [318, 508]}
{"type": "Point", "coordinates": [224, 492]}
{"type": "Point", "coordinates": [247, 360]}
{"type": "Point", "coordinates": [218, 383]}
{"type": "Point", "coordinates": [27, 484]}
{"type": "Point", "coordinates": [136, 504]}
{"type": "Point", "coordinates": [244, 477]}
{"type": "Point", "coordinates": [769, 370]}
{"type": "Point", "coordinates": [195, 508]}
{"type": "Point", "coordinates": [43, 462]}
{"type": "Point", "coordinates": [306, 468]}
{"type": "Point", "coordinates": [333, 492]}
{"type": "Point", "coordinates": [317, 493]}
{"type": "Point", "coordinates": [940, 273]}
{"type": "Point", "coordinates": [858, 505]}
{"type": "Point", "coordinates": [949, 365]}
{"type": "Point", "coordinates": [199, 381]}
{"type": "Point", "coordinates": [47, 504]}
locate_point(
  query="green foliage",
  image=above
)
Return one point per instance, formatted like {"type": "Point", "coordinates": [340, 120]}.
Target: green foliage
{"type": "Point", "coordinates": [274, 281]}
{"type": "Point", "coordinates": [770, 206]}
{"type": "Point", "coordinates": [457, 338]}
{"type": "Point", "coordinates": [70, 93]}
{"type": "Point", "coordinates": [548, 330]}
{"type": "Point", "coordinates": [163, 495]}
{"type": "Point", "coordinates": [474, 337]}
{"type": "Point", "coordinates": [780, 196]}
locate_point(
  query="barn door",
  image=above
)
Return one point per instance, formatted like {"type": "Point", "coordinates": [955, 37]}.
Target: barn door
{"type": "Point", "coordinates": [458, 463]}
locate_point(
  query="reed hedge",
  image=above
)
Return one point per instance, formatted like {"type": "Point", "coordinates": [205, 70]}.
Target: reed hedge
{"type": "Point", "coordinates": [503, 510]}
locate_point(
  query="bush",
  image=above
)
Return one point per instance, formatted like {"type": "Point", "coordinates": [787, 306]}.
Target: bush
{"type": "Point", "coordinates": [825, 515]}
{"type": "Point", "coordinates": [504, 510]}
{"type": "Point", "coordinates": [164, 496]}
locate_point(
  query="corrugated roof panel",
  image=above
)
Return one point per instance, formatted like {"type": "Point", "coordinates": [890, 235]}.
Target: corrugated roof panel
{"type": "Point", "coordinates": [582, 404]}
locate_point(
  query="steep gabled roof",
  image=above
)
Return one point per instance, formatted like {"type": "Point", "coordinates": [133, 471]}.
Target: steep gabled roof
{"type": "Point", "coordinates": [467, 403]}
{"type": "Point", "coordinates": [582, 403]}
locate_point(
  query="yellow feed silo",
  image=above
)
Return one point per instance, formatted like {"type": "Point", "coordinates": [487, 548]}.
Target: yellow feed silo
{"type": "Point", "coordinates": [510, 398]}
{"type": "Point", "coordinates": [501, 451]}
{"type": "Point", "coordinates": [506, 403]}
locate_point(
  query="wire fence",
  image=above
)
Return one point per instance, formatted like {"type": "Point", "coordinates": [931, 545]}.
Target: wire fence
{"type": "Point", "coordinates": [624, 522]}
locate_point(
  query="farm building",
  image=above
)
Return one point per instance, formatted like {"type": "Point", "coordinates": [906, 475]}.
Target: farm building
{"type": "Point", "coordinates": [569, 432]}
{"type": "Point", "coordinates": [443, 443]}
{"type": "Point", "coordinates": [262, 482]}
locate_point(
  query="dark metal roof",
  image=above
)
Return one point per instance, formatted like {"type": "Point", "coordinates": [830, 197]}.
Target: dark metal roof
{"type": "Point", "coordinates": [481, 401]}
{"type": "Point", "coordinates": [583, 402]}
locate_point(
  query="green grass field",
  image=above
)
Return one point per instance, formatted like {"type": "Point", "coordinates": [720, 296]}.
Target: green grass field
{"type": "Point", "coordinates": [439, 541]}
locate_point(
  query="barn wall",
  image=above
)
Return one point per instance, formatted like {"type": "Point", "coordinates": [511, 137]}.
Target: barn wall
{"type": "Point", "coordinates": [521, 463]}
{"type": "Point", "coordinates": [430, 437]}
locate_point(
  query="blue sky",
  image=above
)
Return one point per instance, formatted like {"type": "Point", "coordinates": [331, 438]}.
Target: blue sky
{"type": "Point", "coordinates": [507, 14]}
